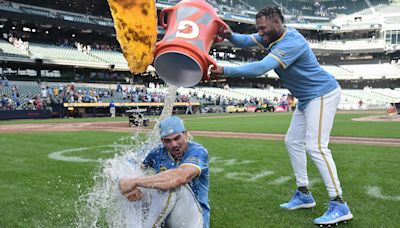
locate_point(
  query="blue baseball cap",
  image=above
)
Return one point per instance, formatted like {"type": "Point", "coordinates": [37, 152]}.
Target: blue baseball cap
{"type": "Point", "coordinates": [171, 125]}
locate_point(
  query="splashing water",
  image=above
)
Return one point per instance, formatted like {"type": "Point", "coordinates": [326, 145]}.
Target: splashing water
{"type": "Point", "coordinates": [104, 205]}
{"type": "Point", "coordinates": [154, 135]}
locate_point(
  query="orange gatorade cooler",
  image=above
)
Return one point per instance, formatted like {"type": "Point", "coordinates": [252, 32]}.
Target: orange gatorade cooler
{"type": "Point", "coordinates": [181, 57]}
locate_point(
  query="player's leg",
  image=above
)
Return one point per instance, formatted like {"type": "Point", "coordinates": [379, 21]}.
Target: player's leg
{"type": "Point", "coordinates": [173, 208]}
{"type": "Point", "coordinates": [320, 115]}
{"type": "Point", "coordinates": [187, 211]}
{"type": "Point", "coordinates": [295, 145]}
{"type": "Point", "coordinates": [179, 208]}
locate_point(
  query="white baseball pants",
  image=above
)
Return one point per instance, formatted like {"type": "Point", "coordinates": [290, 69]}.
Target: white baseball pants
{"type": "Point", "coordinates": [309, 131]}
{"type": "Point", "coordinates": [180, 210]}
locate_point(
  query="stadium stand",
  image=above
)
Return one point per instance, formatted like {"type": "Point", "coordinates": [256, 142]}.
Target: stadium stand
{"type": "Point", "coordinates": [104, 93]}
{"type": "Point", "coordinates": [8, 6]}
{"type": "Point", "coordinates": [53, 52]}
{"type": "Point", "coordinates": [259, 93]}
{"type": "Point", "coordinates": [110, 56]}
{"type": "Point", "coordinates": [349, 45]}
{"type": "Point", "coordinates": [392, 20]}
{"type": "Point", "coordinates": [393, 9]}
{"type": "Point", "coordinates": [37, 11]}
{"type": "Point", "coordinates": [339, 72]}
{"type": "Point", "coordinates": [7, 49]}
{"type": "Point", "coordinates": [373, 71]}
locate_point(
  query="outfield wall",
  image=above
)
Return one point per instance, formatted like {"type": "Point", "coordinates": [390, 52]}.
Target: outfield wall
{"type": "Point", "coordinates": [103, 109]}
{"type": "Point", "coordinates": [25, 114]}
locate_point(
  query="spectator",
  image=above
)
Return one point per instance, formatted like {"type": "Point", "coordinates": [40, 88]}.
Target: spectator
{"type": "Point", "coordinates": [5, 81]}
{"type": "Point", "coordinates": [360, 104]}
{"type": "Point", "coordinates": [112, 109]}
{"type": "Point", "coordinates": [189, 108]}
{"type": "Point", "coordinates": [119, 87]}
{"type": "Point", "coordinates": [43, 93]}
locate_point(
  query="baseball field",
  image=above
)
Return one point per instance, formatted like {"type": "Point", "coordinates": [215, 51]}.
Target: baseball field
{"type": "Point", "coordinates": [46, 165]}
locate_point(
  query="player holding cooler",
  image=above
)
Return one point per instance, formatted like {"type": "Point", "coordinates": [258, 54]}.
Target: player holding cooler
{"type": "Point", "coordinates": [318, 95]}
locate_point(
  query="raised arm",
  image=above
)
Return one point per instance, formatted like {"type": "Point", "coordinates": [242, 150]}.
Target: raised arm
{"type": "Point", "coordinates": [253, 69]}
{"type": "Point", "coordinates": [242, 40]}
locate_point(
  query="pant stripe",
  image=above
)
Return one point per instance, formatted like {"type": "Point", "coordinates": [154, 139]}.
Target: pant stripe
{"type": "Point", "coordinates": [320, 147]}
{"type": "Point", "coordinates": [163, 211]}
{"type": "Point", "coordinates": [194, 197]}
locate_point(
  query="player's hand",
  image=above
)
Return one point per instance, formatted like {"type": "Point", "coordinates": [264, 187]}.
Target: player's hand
{"type": "Point", "coordinates": [216, 72]}
{"type": "Point", "coordinates": [134, 195]}
{"type": "Point", "coordinates": [225, 33]}
{"type": "Point", "coordinates": [126, 185]}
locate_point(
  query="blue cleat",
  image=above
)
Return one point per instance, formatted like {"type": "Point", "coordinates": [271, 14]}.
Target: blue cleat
{"type": "Point", "coordinates": [299, 200]}
{"type": "Point", "coordinates": [337, 212]}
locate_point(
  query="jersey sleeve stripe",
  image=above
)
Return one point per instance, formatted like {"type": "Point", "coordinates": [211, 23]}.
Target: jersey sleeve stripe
{"type": "Point", "coordinates": [190, 164]}
{"type": "Point", "coordinates": [256, 41]}
{"type": "Point", "coordinates": [277, 59]}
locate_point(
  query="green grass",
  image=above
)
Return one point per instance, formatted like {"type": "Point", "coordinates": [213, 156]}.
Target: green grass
{"type": "Point", "coordinates": [40, 192]}
{"type": "Point", "coordinates": [256, 204]}
{"type": "Point", "coordinates": [279, 123]}
{"type": "Point", "coordinates": [36, 189]}
{"type": "Point", "coordinates": [262, 123]}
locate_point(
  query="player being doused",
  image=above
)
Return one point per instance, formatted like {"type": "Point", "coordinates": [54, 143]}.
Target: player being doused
{"type": "Point", "coordinates": [182, 169]}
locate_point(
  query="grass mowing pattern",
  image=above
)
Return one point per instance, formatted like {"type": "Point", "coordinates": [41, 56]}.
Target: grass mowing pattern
{"type": "Point", "coordinates": [39, 192]}
{"type": "Point", "coordinates": [279, 123]}
{"type": "Point", "coordinates": [258, 123]}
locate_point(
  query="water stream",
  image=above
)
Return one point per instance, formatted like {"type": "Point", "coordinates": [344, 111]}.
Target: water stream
{"type": "Point", "coordinates": [103, 204]}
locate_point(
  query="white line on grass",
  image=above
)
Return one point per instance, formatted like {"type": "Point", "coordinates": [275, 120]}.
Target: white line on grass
{"type": "Point", "coordinates": [229, 161]}
{"type": "Point", "coordinates": [59, 155]}
{"type": "Point", "coordinates": [216, 170]}
{"type": "Point", "coordinates": [375, 191]}
{"type": "Point", "coordinates": [281, 180]}
{"type": "Point", "coordinates": [251, 177]}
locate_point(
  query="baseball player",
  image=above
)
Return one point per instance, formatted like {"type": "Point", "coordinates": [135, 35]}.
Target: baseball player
{"type": "Point", "coordinates": [318, 95]}
{"type": "Point", "coordinates": [182, 172]}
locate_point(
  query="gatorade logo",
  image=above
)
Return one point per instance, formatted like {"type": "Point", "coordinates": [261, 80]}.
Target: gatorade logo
{"type": "Point", "coordinates": [188, 30]}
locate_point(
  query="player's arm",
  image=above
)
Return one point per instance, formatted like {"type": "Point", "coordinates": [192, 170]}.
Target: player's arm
{"type": "Point", "coordinates": [253, 69]}
{"type": "Point", "coordinates": [166, 180]}
{"type": "Point", "coordinates": [242, 40]}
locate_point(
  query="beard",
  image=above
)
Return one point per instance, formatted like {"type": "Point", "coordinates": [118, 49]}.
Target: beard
{"type": "Point", "coordinates": [272, 36]}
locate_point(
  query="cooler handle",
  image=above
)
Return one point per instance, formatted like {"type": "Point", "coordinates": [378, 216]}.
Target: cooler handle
{"type": "Point", "coordinates": [162, 16]}
{"type": "Point", "coordinates": [212, 62]}
{"type": "Point", "coordinates": [221, 24]}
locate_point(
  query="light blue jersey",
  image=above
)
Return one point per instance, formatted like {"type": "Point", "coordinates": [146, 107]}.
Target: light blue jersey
{"type": "Point", "coordinates": [292, 59]}
{"type": "Point", "coordinates": [196, 155]}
